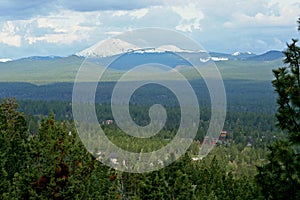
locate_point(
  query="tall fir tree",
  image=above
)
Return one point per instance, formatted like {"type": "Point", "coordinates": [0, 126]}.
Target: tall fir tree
{"type": "Point", "coordinates": [13, 135]}
{"type": "Point", "coordinates": [280, 177]}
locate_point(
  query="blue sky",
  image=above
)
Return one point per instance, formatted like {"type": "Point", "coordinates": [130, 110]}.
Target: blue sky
{"type": "Point", "coordinates": [64, 27]}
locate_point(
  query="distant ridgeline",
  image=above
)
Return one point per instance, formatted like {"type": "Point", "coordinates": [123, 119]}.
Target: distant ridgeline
{"type": "Point", "coordinates": [44, 70]}
{"type": "Point", "coordinates": [242, 95]}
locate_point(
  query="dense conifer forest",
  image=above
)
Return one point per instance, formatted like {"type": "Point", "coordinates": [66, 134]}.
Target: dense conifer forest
{"type": "Point", "coordinates": [255, 157]}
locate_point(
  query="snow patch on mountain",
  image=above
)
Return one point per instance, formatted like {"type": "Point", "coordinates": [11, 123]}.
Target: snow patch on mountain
{"type": "Point", "coordinates": [113, 47]}
{"type": "Point", "coordinates": [240, 53]}
{"type": "Point", "coordinates": [172, 48]}
{"type": "Point", "coordinates": [107, 48]}
{"type": "Point", "coordinates": [236, 53]}
{"type": "Point", "coordinates": [204, 60]}
{"type": "Point", "coordinates": [5, 59]}
{"type": "Point", "coordinates": [219, 58]}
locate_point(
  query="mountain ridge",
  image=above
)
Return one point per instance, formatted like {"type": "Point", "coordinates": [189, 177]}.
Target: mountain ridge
{"type": "Point", "coordinates": [267, 56]}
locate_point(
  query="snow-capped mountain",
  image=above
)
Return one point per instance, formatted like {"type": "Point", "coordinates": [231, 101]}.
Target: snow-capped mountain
{"type": "Point", "coordinates": [242, 53]}
{"type": "Point", "coordinates": [172, 48]}
{"type": "Point", "coordinates": [5, 59]}
{"type": "Point", "coordinates": [236, 53]}
{"type": "Point", "coordinates": [108, 48]}
{"type": "Point", "coordinates": [113, 47]}
{"type": "Point", "coordinates": [234, 56]}
{"type": "Point", "coordinates": [268, 56]}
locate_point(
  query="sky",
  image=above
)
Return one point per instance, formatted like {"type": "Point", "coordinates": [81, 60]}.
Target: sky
{"type": "Point", "coordinates": [64, 27]}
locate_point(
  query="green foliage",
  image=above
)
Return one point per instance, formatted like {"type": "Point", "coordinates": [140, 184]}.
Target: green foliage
{"type": "Point", "coordinates": [279, 178]}
{"type": "Point", "coordinates": [54, 164]}
{"type": "Point", "coordinates": [287, 85]}
{"type": "Point", "coordinates": [242, 95]}
{"type": "Point", "coordinates": [65, 70]}
{"type": "Point", "coordinates": [12, 138]}
{"type": "Point", "coordinates": [245, 125]}
{"type": "Point", "coordinates": [298, 24]}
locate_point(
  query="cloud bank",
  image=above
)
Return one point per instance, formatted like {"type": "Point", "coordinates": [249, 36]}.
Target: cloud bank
{"type": "Point", "coordinates": [63, 27]}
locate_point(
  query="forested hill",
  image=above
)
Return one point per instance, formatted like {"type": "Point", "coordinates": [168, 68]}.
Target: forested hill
{"type": "Point", "coordinates": [52, 163]}
{"type": "Point", "coordinates": [242, 95]}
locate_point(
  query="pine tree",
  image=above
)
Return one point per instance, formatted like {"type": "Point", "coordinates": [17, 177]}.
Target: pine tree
{"type": "Point", "coordinates": [13, 135]}
{"type": "Point", "coordinates": [280, 177]}
{"type": "Point", "coordinates": [287, 85]}
{"type": "Point", "coordinates": [59, 166]}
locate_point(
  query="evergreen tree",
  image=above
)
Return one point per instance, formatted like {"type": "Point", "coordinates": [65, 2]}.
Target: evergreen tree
{"type": "Point", "coordinates": [280, 177]}
{"type": "Point", "coordinates": [59, 167]}
{"type": "Point", "coordinates": [287, 85]}
{"type": "Point", "coordinates": [13, 135]}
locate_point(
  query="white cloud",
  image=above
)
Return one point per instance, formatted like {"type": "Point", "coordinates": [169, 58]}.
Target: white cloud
{"type": "Point", "coordinates": [191, 15]}
{"type": "Point", "coordinates": [65, 29]}
{"type": "Point", "coordinates": [96, 5]}
{"type": "Point", "coordinates": [139, 13]}
{"type": "Point", "coordinates": [9, 36]}
{"type": "Point", "coordinates": [276, 13]}
{"type": "Point", "coordinates": [119, 13]}
{"type": "Point", "coordinates": [11, 40]}
{"type": "Point", "coordinates": [56, 38]}
{"type": "Point", "coordinates": [113, 33]}
{"type": "Point", "coordinates": [254, 25]}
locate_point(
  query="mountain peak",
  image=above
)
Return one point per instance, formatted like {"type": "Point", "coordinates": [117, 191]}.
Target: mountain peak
{"type": "Point", "coordinates": [242, 53]}
{"type": "Point", "coordinates": [268, 56]}
{"type": "Point", "coordinates": [115, 46]}
{"type": "Point", "coordinates": [108, 48]}
{"type": "Point", "coordinates": [236, 53]}
{"type": "Point", "coordinates": [172, 48]}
